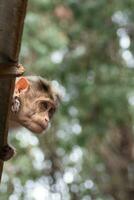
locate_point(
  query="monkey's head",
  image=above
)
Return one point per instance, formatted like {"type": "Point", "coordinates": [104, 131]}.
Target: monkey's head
{"type": "Point", "coordinates": [34, 103]}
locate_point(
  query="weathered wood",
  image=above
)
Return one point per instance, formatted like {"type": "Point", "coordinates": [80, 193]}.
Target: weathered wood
{"type": "Point", "coordinates": [11, 25]}
{"type": "Point", "coordinates": [12, 13]}
{"type": "Point", "coordinates": [10, 70]}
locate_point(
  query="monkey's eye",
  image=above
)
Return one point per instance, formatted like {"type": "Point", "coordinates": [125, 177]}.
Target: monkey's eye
{"type": "Point", "coordinates": [51, 112]}
{"type": "Point", "coordinates": [44, 105]}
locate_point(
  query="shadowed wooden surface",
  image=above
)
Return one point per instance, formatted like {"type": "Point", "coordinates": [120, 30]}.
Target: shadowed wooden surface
{"type": "Point", "coordinates": [12, 15]}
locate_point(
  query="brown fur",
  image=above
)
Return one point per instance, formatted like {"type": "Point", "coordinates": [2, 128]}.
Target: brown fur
{"type": "Point", "coordinates": [32, 114]}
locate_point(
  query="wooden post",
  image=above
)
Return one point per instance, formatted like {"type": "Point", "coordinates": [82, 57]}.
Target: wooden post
{"type": "Point", "coordinates": [12, 14]}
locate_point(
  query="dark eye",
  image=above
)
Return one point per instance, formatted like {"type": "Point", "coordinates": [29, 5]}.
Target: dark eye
{"type": "Point", "coordinates": [44, 105]}
{"type": "Point", "coordinates": [51, 112]}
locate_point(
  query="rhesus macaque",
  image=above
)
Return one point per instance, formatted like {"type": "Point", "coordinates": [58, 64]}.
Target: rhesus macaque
{"type": "Point", "coordinates": [33, 105]}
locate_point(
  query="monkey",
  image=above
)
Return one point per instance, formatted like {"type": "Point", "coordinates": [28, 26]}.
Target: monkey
{"type": "Point", "coordinates": [34, 103]}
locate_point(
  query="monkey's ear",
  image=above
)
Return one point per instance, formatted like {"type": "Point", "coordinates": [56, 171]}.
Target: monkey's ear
{"type": "Point", "coordinates": [22, 84]}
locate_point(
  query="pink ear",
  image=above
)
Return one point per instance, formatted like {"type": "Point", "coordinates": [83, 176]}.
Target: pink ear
{"type": "Point", "coordinates": [22, 84]}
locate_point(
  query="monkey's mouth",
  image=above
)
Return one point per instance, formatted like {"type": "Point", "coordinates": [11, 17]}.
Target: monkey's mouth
{"type": "Point", "coordinates": [36, 127]}
{"type": "Point", "coordinates": [43, 126]}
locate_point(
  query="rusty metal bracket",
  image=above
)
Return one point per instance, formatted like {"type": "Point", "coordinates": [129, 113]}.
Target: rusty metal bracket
{"type": "Point", "coordinates": [11, 70]}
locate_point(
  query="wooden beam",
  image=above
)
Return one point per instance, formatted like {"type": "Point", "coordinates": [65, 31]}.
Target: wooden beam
{"type": "Point", "coordinates": [12, 14]}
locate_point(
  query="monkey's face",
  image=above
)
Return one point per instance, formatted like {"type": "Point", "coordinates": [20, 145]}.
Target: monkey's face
{"type": "Point", "coordinates": [36, 115]}
{"type": "Point", "coordinates": [36, 108]}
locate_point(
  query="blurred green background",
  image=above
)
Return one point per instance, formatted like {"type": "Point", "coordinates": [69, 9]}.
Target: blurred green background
{"type": "Point", "coordinates": [86, 47]}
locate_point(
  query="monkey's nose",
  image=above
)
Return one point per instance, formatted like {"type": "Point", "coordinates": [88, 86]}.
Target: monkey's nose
{"type": "Point", "coordinates": [46, 119]}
